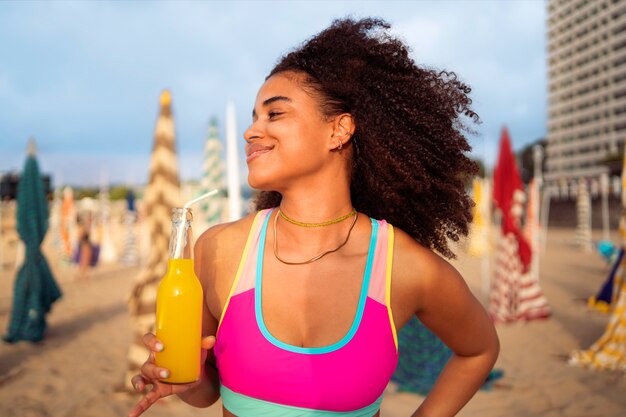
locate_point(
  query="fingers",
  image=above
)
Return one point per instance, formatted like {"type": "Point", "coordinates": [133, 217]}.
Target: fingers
{"type": "Point", "coordinates": [139, 383]}
{"type": "Point", "coordinates": [208, 342]}
{"type": "Point", "coordinates": [145, 403]}
{"type": "Point", "coordinates": [150, 373]}
{"type": "Point", "coordinates": [152, 342]}
{"type": "Point", "coordinates": [153, 372]}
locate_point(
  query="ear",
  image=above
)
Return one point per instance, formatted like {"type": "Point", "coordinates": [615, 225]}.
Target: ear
{"type": "Point", "coordinates": [343, 129]}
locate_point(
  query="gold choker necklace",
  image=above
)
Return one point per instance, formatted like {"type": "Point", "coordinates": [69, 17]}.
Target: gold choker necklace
{"type": "Point", "coordinates": [322, 224]}
{"type": "Point", "coordinates": [315, 258]}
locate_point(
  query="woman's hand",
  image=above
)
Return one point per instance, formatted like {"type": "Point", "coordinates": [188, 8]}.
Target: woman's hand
{"type": "Point", "coordinates": [150, 375]}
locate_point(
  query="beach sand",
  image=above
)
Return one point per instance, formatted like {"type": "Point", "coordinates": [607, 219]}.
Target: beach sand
{"type": "Point", "coordinates": [75, 371]}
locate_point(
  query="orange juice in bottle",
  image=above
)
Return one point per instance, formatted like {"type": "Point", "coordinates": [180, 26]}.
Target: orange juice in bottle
{"type": "Point", "coordinates": [179, 307]}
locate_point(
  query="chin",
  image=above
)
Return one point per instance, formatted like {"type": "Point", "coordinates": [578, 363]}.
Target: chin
{"type": "Point", "coordinates": [259, 182]}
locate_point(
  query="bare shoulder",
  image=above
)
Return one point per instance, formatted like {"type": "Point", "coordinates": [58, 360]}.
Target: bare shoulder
{"type": "Point", "coordinates": [418, 273]}
{"type": "Point", "coordinates": [224, 236]}
{"type": "Point", "coordinates": [217, 255]}
{"type": "Point", "coordinates": [416, 263]}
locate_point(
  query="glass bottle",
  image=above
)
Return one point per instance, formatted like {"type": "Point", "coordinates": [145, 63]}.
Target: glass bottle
{"type": "Point", "coordinates": [179, 306]}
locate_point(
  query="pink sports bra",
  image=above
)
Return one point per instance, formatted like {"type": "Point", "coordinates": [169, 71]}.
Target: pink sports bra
{"type": "Point", "coordinates": [262, 376]}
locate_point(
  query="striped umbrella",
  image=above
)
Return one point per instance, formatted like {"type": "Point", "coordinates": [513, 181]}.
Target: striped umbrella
{"type": "Point", "coordinates": [130, 251]}
{"type": "Point", "coordinates": [35, 288]}
{"type": "Point", "coordinates": [161, 195]}
{"type": "Point", "coordinates": [609, 351]}
{"type": "Point", "coordinates": [213, 175]}
{"type": "Point", "coordinates": [532, 228]}
{"type": "Point", "coordinates": [515, 291]}
{"type": "Point", "coordinates": [107, 248]}
{"type": "Point", "coordinates": [583, 213]}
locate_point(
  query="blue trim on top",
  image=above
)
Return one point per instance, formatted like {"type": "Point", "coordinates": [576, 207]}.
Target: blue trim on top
{"type": "Point", "coordinates": [245, 406]}
{"type": "Point", "coordinates": [359, 313]}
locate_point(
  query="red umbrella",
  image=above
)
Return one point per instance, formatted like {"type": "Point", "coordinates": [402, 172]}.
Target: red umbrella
{"type": "Point", "coordinates": [506, 178]}
{"type": "Point", "coordinates": [506, 181]}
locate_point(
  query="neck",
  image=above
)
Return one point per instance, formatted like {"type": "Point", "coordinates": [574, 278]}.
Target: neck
{"type": "Point", "coordinates": [318, 198]}
{"type": "Point", "coordinates": [314, 207]}
{"type": "Point", "coordinates": [314, 211]}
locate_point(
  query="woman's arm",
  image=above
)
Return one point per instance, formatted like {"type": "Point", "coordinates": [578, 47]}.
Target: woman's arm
{"type": "Point", "coordinates": [439, 297]}
{"type": "Point", "coordinates": [206, 393]}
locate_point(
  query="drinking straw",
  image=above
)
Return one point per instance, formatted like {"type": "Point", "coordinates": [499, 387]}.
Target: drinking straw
{"type": "Point", "coordinates": [181, 232]}
{"type": "Point", "coordinates": [202, 197]}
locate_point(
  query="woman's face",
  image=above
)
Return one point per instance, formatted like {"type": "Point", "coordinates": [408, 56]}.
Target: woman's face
{"type": "Point", "coordinates": [288, 138]}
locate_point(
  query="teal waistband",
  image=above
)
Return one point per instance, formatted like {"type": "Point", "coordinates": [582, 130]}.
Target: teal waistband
{"type": "Point", "coordinates": [244, 406]}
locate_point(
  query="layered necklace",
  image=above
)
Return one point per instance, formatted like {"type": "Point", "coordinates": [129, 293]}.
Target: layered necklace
{"type": "Point", "coordinates": [322, 224]}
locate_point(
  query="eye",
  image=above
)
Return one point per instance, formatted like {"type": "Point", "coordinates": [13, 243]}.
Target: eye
{"type": "Point", "coordinates": [273, 114]}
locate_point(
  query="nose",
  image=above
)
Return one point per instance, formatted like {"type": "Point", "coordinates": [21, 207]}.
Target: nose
{"type": "Point", "coordinates": [252, 132]}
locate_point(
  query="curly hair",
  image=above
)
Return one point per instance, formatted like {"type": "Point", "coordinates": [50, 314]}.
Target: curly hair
{"type": "Point", "coordinates": [409, 163]}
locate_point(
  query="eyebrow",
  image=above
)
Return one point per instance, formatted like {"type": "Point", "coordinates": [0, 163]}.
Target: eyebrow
{"type": "Point", "coordinates": [272, 100]}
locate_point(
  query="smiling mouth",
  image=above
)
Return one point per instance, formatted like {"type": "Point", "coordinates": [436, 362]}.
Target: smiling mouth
{"type": "Point", "coordinates": [256, 150]}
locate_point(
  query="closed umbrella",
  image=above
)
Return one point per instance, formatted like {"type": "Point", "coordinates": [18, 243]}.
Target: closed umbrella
{"type": "Point", "coordinates": [213, 176]}
{"type": "Point", "coordinates": [35, 288]}
{"type": "Point", "coordinates": [478, 236]}
{"type": "Point", "coordinates": [68, 222]}
{"type": "Point", "coordinates": [161, 195]}
{"type": "Point", "coordinates": [515, 291]}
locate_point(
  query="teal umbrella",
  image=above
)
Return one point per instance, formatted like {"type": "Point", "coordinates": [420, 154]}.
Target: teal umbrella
{"type": "Point", "coordinates": [422, 358]}
{"type": "Point", "coordinates": [35, 289]}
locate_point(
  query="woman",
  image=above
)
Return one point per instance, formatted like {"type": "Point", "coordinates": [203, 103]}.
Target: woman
{"type": "Point", "coordinates": [346, 129]}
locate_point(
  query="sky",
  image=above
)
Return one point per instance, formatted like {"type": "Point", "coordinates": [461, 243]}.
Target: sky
{"type": "Point", "coordinates": [84, 78]}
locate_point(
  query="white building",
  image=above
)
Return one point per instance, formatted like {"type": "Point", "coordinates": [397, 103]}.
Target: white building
{"type": "Point", "coordinates": [587, 86]}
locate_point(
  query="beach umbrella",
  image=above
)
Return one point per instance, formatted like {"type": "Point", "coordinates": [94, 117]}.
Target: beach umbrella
{"type": "Point", "coordinates": [605, 297]}
{"type": "Point", "coordinates": [35, 289]}
{"type": "Point", "coordinates": [107, 248]}
{"type": "Point", "coordinates": [161, 195]}
{"type": "Point", "coordinates": [515, 292]}
{"type": "Point", "coordinates": [609, 351]}
{"type": "Point", "coordinates": [609, 291]}
{"type": "Point", "coordinates": [478, 239]}
{"type": "Point", "coordinates": [480, 242]}
{"type": "Point", "coordinates": [583, 213]}
{"type": "Point", "coordinates": [213, 176]}
{"type": "Point", "coordinates": [55, 221]}
{"type": "Point", "coordinates": [68, 222]}
{"type": "Point", "coordinates": [532, 226]}
{"type": "Point", "coordinates": [604, 192]}
{"type": "Point", "coordinates": [422, 358]}
{"type": "Point", "coordinates": [130, 251]}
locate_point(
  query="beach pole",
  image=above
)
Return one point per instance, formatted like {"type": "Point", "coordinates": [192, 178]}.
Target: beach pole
{"type": "Point", "coordinates": [604, 192]}
{"type": "Point", "coordinates": [232, 164]}
{"type": "Point", "coordinates": [536, 190]}
{"type": "Point", "coordinates": [546, 198]}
